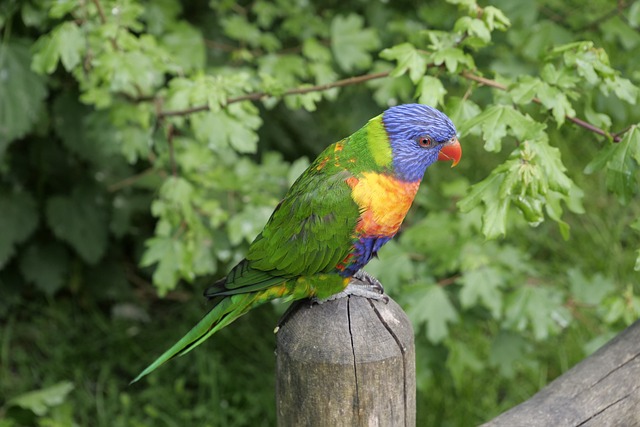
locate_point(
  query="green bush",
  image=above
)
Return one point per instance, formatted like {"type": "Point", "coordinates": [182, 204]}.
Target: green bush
{"type": "Point", "coordinates": [143, 145]}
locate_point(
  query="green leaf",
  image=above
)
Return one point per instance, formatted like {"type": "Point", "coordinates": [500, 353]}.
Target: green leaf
{"type": "Point", "coordinates": [482, 286]}
{"type": "Point", "coordinates": [169, 254]}
{"type": "Point", "coordinates": [22, 92]}
{"type": "Point", "coordinates": [430, 91]}
{"type": "Point", "coordinates": [32, 16]}
{"type": "Point", "coordinates": [634, 15]}
{"type": "Point", "coordinates": [80, 219]}
{"type": "Point", "coordinates": [525, 90]}
{"type": "Point", "coordinates": [596, 118]}
{"type": "Point", "coordinates": [589, 290]}
{"type": "Point", "coordinates": [307, 101]}
{"type": "Point", "coordinates": [409, 59]}
{"type": "Point", "coordinates": [590, 62]}
{"type": "Point", "coordinates": [19, 221]}
{"type": "Point", "coordinates": [473, 27]}
{"type": "Point", "coordinates": [623, 88]}
{"type": "Point", "coordinates": [178, 36]}
{"type": "Point", "coordinates": [235, 126]}
{"type": "Point", "coordinates": [549, 160]}
{"type": "Point", "coordinates": [531, 179]}
{"type": "Point", "coordinates": [617, 30]}
{"type": "Point", "coordinates": [461, 109]}
{"type": "Point", "coordinates": [239, 28]}
{"type": "Point", "coordinates": [245, 225]}
{"type": "Point", "coordinates": [178, 192]}
{"type": "Point", "coordinates": [562, 77]}
{"type": "Point", "coordinates": [452, 57]}
{"type": "Point", "coordinates": [351, 42]}
{"type": "Point", "coordinates": [601, 159]}
{"type": "Point", "coordinates": [536, 307]}
{"type": "Point", "coordinates": [41, 401]}
{"type": "Point", "coordinates": [507, 351]}
{"type": "Point", "coordinates": [71, 44]}
{"type": "Point", "coordinates": [46, 265]}
{"type": "Point", "coordinates": [623, 166]}
{"type": "Point", "coordinates": [316, 51]}
{"type": "Point", "coordinates": [389, 91]}
{"type": "Point", "coordinates": [46, 54]}
{"type": "Point", "coordinates": [495, 18]}
{"type": "Point", "coordinates": [393, 268]}
{"type": "Point", "coordinates": [494, 217]}
{"type": "Point", "coordinates": [431, 305]}
{"type": "Point", "coordinates": [66, 43]}
{"type": "Point", "coordinates": [554, 99]}
{"type": "Point", "coordinates": [88, 134]}
{"type": "Point", "coordinates": [494, 122]}
{"type": "Point", "coordinates": [471, 6]}
{"type": "Point", "coordinates": [62, 7]}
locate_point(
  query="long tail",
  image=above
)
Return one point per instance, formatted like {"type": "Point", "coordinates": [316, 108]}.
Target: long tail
{"type": "Point", "coordinates": [226, 311]}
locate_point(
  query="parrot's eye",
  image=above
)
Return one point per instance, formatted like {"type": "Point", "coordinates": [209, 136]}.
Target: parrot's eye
{"type": "Point", "coordinates": [425, 141]}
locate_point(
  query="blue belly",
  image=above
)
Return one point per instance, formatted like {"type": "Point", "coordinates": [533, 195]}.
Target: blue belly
{"type": "Point", "coordinates": [364, 249]}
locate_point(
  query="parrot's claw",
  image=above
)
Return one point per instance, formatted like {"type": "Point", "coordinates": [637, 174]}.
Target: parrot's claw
{"type": "Point", "coordinates": [362, 285]}
{"type": "Point", "coordinates": [368, 279]}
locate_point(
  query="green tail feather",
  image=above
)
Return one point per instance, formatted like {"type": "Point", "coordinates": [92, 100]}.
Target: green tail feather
{"type": "Point", "coordinates": [243, 299]}
{"type": "Point", "coordinates": [225, 312]}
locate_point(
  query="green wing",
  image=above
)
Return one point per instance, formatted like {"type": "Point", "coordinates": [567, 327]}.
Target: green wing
{"type": "Point", "coordinates": [310, 230]}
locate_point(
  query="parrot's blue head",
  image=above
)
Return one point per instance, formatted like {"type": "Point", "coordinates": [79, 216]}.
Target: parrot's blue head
{"type": "Point", "coordinates": [419, 135]}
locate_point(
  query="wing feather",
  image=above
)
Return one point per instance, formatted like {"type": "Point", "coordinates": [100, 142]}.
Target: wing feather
{"type": "Point", "coordinates": [311, 229]}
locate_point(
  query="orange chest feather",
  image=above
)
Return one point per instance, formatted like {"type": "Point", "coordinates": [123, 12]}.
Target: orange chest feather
{"type": "Point", "coordinates": [383, 201]}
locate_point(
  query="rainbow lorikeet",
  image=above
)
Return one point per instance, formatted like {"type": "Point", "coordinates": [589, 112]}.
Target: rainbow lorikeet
{"type": "Point", "coordinates": [348, 203]}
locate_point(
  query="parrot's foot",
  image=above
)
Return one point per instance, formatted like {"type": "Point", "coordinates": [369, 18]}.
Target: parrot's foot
{"type": "Point", "coordinates": [362, 285]}
{"type": "Point", "coordinates": [368, 279]}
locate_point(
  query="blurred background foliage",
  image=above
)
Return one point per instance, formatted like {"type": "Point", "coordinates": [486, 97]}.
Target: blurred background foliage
{"type": "Point", "coordinates": [143, 145]}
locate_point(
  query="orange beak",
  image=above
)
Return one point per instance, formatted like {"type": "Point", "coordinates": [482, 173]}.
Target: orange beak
{"type": "Point", "coordinates": [451, 152]}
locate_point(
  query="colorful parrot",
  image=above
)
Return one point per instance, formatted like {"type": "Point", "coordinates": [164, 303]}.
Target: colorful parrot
{"type": "Point", "coordinates": [348, 203]}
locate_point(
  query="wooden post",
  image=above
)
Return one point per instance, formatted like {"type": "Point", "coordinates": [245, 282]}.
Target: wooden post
{"type": "Point", "coordinates": [602, 390]}
{"type": "Point", "coordinates": [347, 362]}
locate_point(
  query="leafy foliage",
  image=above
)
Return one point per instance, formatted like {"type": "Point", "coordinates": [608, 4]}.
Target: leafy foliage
{"type": "Point", "coordinates": [143, 145]}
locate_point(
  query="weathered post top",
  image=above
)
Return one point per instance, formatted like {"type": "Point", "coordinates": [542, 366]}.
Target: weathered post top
{"type": "Point", "coordinates": [347, 362]}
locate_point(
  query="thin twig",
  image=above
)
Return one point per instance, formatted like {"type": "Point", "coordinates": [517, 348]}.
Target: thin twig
{"type": "Point", "coordinates": [448, 280]}
{"type": "Point", "coordinates": [172, 159]}
{"type": "Point", "coordinates": [103, 20]}
{"type": "Point", "coordinates": [129, 180]}
{"type": "Point", "coordinates": [103, 17]}
{"type": "Point", "coordinates": [483, 81]}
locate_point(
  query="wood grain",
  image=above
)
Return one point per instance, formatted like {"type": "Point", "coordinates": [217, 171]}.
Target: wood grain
{"type": "Point", "coordinates": [348, 362]}
{"type": "Point", "coordinates": [602, 390]}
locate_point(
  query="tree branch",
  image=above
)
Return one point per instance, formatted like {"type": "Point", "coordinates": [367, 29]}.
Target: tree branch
{"type": "Point", "coordinates": [297, 91]}
{"type": "Point", "coordinates": [616, 137]}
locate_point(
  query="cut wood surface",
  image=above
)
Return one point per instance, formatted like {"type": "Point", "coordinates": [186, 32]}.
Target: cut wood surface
{"type": "Point", "coordinates": [602, 390]}
{"type": "Point", "coordinates": [347, 362]}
